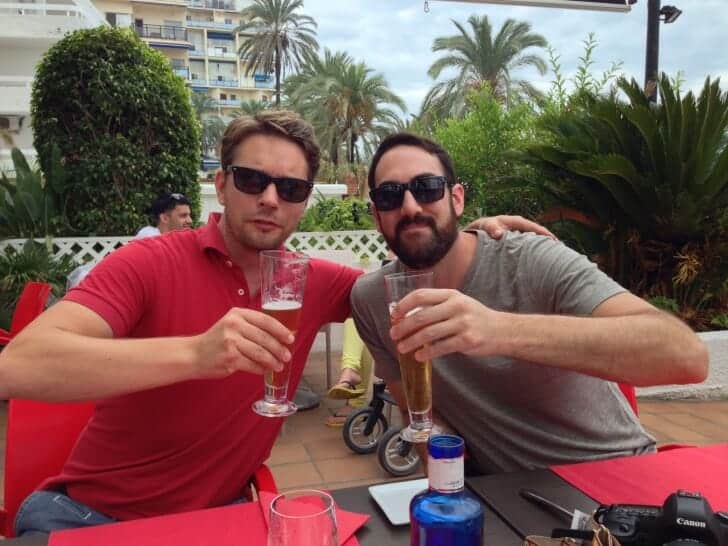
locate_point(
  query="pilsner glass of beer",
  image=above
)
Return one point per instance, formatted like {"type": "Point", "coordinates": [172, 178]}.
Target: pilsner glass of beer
{"type": "Point", "coordinates": [416, 376]}
{"type": "Point", "coordinates": [282, 284]}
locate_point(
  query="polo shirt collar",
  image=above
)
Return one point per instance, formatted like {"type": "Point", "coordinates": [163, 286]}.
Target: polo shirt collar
{"type": "Point", "coordinates": [209, 236]}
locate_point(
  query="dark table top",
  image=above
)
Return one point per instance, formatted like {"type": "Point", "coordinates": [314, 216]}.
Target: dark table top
{"type": "Point", "coordinates": [500, 492]}
{"type": "Point", "coordinates": [377, 531]}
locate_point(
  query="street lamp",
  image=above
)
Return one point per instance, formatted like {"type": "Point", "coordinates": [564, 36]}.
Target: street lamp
{"type": "Point", "coordinates": [655, 14]}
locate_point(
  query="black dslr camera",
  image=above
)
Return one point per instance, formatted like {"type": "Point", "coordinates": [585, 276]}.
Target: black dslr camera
{"type": "Point", "coordinates": [685, 519]}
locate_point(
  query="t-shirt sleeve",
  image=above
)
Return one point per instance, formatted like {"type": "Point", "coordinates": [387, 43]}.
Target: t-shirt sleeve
{"type": "Point", "coordinates": [567, 282]}
{"type": "Point", "coordinates": [372, 323]}
{"type": "Point", "coordinates": [117, 289]}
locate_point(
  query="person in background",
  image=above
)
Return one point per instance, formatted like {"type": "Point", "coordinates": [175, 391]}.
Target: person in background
{"type": "Point", "coordinates": [169, 212]}
{"type": "Point", "coordinates": [356, 373]}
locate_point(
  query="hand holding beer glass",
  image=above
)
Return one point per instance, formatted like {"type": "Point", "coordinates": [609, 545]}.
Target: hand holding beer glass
{"type": "Point", "coordinates": [282, 284]}
{"type": "Point", "coordinates": [416, 376]}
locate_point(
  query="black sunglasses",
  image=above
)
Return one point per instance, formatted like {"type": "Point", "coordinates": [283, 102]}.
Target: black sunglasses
{"type": "Point", "coordinates": [254, 182]}
{"type": "Point", "coordinates": [425, 189]}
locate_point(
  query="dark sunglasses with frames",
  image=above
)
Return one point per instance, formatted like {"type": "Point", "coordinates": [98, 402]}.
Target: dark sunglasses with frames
{"type": "Point", "coordinates": [425, 189]}
{"type": "Point", "coordinates": [254, 182]}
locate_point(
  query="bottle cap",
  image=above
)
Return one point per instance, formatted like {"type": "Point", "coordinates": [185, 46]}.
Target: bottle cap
{"type": "Point", "coordinates": [446, 446]}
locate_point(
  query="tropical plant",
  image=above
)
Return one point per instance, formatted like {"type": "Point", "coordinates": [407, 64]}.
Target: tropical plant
{"type": "Point", "coordinates": [276, 39]}
{"type": "Point", "coordinates": [35, 262]}
{"type": "Point", "coordinates": [564, 91]}
{"type": "Point", "coordinates": [348, 104]}
{"type": "Point", "coordinates": [653, 180]}
{"type": "Point", "coordinates": [32, 205]}
{"type": "Point", "coordinates": [481, 58]}
{"type": "Point", "coordinates": [481, 145]}
{"type": "Point", "coordinates": [250, 108]}
{"type": "Point", "coordinates": [124, 125]}
{"type": "Point", "coordinates": [337, 215]}
{"type": "Point", "coordinates": [212, 126]}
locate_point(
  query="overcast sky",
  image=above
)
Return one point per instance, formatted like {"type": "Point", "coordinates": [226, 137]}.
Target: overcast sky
{"type": "Point", "coordinates": [394, 37]}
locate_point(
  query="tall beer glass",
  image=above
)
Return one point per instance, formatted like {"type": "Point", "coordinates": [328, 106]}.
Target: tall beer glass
{"type": "Point", "coordinates": [416, 376]}
{"type": "Point", "coordinates": [282, 284]}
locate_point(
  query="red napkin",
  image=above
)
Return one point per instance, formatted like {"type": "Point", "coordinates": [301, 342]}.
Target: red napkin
{"type": "Point", "coordinates": [649, 479]}
{"type": "Point", "coordinates": [222, 526]}
{"type": "Point", "coordinates": [346, 522]}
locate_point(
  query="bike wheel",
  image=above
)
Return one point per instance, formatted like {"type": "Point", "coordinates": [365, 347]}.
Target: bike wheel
{"type": "Point", "coordinates": [391, 458]}
{"type": "Point", "coordinates": [354, 431]}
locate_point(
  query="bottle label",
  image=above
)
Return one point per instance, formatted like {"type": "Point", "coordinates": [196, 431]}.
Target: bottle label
{"type": "Point", "coordinates": [446, 474]}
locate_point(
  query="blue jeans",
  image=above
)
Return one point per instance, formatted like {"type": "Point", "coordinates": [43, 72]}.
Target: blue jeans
{"type": "Point", "coordinates": [46, 511]}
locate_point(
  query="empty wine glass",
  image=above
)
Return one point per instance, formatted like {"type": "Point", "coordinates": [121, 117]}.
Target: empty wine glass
{"type": "Point", "coordinates": [303, 518]}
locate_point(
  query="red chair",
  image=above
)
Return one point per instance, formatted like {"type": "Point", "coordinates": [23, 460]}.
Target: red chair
{"type": "Point", "coordinates": [40, 436]}
{"type": "Point", "coordinates": [31, 303]}
{"type": "Point", "coordinates": [630, 395]}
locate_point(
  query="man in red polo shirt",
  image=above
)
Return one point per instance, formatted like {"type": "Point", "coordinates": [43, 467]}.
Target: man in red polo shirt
{"type": "Point", "coordinates": [167, 334]}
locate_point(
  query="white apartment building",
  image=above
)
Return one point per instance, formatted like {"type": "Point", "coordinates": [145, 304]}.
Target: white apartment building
{"type": "Point", "coordinates": [27, 30]}
{"type": "Point", "coordinates": [196, 35]}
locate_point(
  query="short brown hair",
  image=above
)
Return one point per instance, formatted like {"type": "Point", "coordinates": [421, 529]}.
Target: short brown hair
{"type": "Point", "coordinates": [408, 139]}
{"type": "Point", "coordinates": [282, 123]}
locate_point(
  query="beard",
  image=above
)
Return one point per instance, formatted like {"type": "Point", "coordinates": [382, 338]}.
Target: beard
{"type": "Point", "coordinates": [423, 254]}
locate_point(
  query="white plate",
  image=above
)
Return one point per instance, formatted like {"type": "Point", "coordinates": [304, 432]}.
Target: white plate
{"type": "Point", "coordinates": [394, 498]}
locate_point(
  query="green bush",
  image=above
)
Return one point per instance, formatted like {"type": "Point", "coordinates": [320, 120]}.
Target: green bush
{"type": "Point", "coordinates": [337, 215]}
{"type": "Point", "coordinates": [33, 263]}
{"type": "Point", "coordinates": [481, 145]}
{"type": "Point", "coordinates": [124, 125]}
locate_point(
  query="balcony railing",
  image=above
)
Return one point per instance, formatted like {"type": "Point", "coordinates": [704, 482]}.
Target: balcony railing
{"type": "Point", "coordinates": [217, 82]}
{"type": "Point", "coordinates": [220, 53]}
{"type": "Point", "coordinates": [85, 15]}
{"type": "Point", "coordinates": [197, 53]}
{"type": "Point", "coordinates": [162, 32]}
{"type": "Point", "coordinates": [183, 72]}
{"type": "Point", "coordinates": [197, 82]}
{"type": "Point", "coordinates": [212, 4]}
{"type": "Point", "coordinates": [217, 25]}
{"type": "Point", "coordinates": [228, 102]}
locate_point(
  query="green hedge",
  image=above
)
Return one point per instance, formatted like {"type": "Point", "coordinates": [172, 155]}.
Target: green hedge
{"type": "Point", "coordinates": [124, 124]}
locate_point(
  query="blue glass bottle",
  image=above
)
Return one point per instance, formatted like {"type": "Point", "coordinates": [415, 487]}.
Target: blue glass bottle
{"type": "Point", "coordinates": [446, 514]}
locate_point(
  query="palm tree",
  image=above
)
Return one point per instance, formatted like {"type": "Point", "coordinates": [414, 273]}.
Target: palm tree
{"type": "Point", "coordinates": [346, 101]}
{"type": "Point", "coordinates": [212, 125]}
{"type": "Point", "coordinates": [480, 58]}
{"type": "Point", "coordinates": [250, 108]}
{"type": "Point", "coordinates": [279, 39]}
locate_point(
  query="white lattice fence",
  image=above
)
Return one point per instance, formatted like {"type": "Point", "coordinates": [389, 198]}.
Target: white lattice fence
{"type": "Point", "coordinates": [366, 245]}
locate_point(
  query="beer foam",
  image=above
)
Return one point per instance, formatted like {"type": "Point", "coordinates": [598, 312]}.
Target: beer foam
{"type": "Point", "coordinates": [281, 305]}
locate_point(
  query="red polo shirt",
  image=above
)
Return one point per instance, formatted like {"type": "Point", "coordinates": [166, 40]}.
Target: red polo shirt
{"type": "Point", "coordinates": [193, 444]}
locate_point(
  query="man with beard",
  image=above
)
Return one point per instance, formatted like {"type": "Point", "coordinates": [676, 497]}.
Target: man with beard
{"type": "Point", "coordinates": [528, 339]}
{"type": "Point", "coordinates": [167, 335]}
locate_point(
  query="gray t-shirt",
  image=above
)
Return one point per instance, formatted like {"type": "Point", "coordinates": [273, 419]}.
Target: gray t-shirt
{"type": "Point", "coordinates": [516, 414]}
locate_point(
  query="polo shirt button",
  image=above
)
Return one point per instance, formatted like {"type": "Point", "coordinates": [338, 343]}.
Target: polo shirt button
{"type": "Point", "coordinates": [229, 263]}
{"type": "Point", "coordinates": [241, 292]}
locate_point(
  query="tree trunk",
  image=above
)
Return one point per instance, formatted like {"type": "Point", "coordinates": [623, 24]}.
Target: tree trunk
{"type": "Point", "coordinates": [278, 77]}
{"type": "Point", "coordinates": [352, 144]}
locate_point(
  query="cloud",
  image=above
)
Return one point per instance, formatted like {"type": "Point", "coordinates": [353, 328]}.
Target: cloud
{"type": "Point", "coordinates": [394, 37]}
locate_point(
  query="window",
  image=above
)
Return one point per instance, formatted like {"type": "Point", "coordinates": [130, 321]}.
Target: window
{"type": "Point", "coordinates": [119, 20]}
{"type": "Point", "coordinates": [223, 96]}
{"type": "Point", "coordinates": [228, 21]}
{"type": "Point", "coordinates": [264, 98]}
{"type": "Point", "coordinates": [233, 97]}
